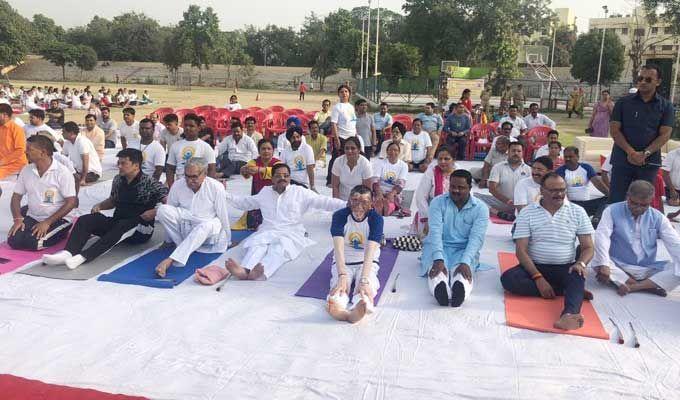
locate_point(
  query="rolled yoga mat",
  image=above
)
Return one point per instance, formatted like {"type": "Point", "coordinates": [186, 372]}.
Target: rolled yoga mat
{"type": "Point", "coordinates": [539, 314]}
{"type": "Point", "coordinates": [319, 283]}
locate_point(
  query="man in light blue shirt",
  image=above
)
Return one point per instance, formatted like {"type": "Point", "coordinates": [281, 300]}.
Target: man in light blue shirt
{"type": "Point", "coordinates": [382, 120]}
{"type": "Point", "coordinates": [432, 124]}
{"type": "Point", "coordinates": [549, 263]}
{"type": "Point", "coordinates": [457, 225]}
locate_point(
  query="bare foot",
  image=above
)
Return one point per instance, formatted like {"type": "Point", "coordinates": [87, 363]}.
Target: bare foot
{"type": "Point", "coordinates": [338, 313]}
{"type": "Point", "coordinates": [257, 273]}
{"type": "Point", "coordinates": [357, 312]}
{"type": "Point", "coordinates": [235, 269]}
{"type": "Point", "coordinates": [623, 289]}
{"type": "Point", "coordinates": [569, 322]}
{"type": "Point", "coordinates": [163, 267]}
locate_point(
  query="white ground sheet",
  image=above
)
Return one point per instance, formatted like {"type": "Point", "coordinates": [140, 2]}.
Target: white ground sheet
{"type": "Point", "coordinates": [255, 340]}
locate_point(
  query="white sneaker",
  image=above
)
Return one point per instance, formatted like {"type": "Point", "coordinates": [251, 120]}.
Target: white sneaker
{"type": "Point", "coordinates": [56, 258]}
{"type": "Point", "coordinates": [75, 261]}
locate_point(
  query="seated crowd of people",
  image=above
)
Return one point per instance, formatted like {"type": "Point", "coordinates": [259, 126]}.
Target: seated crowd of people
{"type": "Point", "coordinates": [51, 161]}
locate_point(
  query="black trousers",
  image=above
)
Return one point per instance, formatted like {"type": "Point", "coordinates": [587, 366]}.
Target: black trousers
{"type": "Point", "coordinates": [460, 142]}
{"type": "Point", "coordinates": [336, 153]}
{"type": "Point", "coordinates": [570, 285]}
{"type": "Point", "coordinates": [227, 166]}
{"type": "Point", "coordinates": [592, 206]}
{"type": "Point", "coordinates": [109, 230]}
{"type": "Point", "coordinates": [25, 240]}
{"type": "Point", "coordinates": [379, 135]}
{"type": "Point", "coordinates": [109, 144]}
{"type": "Point", "coordinates": [623, 175]}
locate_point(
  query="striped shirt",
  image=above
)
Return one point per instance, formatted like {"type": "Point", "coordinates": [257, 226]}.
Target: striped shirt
{"type": "Point", "coordinates": [552, 237]}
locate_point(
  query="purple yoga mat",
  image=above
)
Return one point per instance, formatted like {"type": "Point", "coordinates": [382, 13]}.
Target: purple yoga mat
{"type": "Point", "coordinates": [319, 283]}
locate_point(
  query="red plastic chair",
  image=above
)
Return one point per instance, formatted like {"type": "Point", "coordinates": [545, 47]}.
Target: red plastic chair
{"type": "Point", "coordinates": [181, 113]}
{"type": "Point", "coordinates": [310, 115]}
{"type": "Point", "coordinates": [295, 111]}
{"type": "Point", "coordinates": [276, 108]}
{"type": "Point", "coordinates": [404, 119]}
{"type": "Point", "coordinates": [204, 111]}
{"type": "Point", "coordinates": [480, 140]}
{"type": "Point", "coordinates": [162, 112]}
{"type": "Point", "coordinates": [536, 137]}
{"type": "Point", "coordinates": [254, 109]}
{"type": "Point", "coordinates": [276, 124]}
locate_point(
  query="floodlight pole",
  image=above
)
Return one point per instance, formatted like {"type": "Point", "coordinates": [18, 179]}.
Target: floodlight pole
{"type": "Point", "coordinates": [552, 60]}
{"type": "Point", "coordinates": [368, 37]}
{"type": "Point", "coordinates": [599, 66]}
{"type": "Point", "coordinates": [361, 58]}
{"type": "Point", "coordinates": [677, 67]}
{"type": "Point", "coordinates": [377, 36]}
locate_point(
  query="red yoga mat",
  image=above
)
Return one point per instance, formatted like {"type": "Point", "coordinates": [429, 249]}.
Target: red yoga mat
{"type": "Point", "coordinates": [539, 314]}
{"type": "Point", "coordinates": [16, 388]}
{"type": "Point", "coordinates": [498, 220]}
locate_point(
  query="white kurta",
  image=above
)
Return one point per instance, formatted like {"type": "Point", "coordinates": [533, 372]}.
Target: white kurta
{"type": "Point", "coordinates": [282, 227]}
{"type": "Point", "coordinates": [196, 221]}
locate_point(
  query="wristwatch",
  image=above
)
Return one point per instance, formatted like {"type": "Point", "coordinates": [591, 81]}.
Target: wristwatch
{"type": "Point", "coordinates": [647, 153]}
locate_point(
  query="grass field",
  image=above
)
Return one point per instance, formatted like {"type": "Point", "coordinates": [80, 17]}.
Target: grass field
{"type": "Point", "coordinates": [165, 96]}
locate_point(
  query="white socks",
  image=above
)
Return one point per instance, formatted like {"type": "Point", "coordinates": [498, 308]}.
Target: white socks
{"type": "Point", "coordinates": [57, 258]}
{"type": "Point", "coordinates": [75, 261]}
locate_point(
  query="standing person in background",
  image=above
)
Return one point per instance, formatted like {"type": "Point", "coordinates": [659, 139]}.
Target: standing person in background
{"type": "Point", "coordinates": [365, 127]}
{"type": "Point", "coordinates": [108, 125]}
{"type": "Point", "coordinates": [599, 120]}
{"type": "Point", "coordinates": [432, 123]}
{"type": "Point", "coordinates": [485, 98]}
{"type": "Point", "coordinates": [466, 100]}
{"type": "Point", "coordinates": [382, 120]}
{"type": "Point", "coordinates": [506, 97]}
{"type": "Point", "coordinates": [641, 124]}
{"type": "Point", "coordinates": [574, 104]}
{"type": "Point", "coordinates": [302, 89]}
{"type": "Point", "coordinates": [343, 126]}
{"type": "Point", "coordinates": [518, 98]}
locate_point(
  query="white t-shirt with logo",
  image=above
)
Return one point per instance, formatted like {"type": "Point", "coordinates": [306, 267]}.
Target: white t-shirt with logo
{"type": "Point", "coordinates": [298, 160]}
{"type": "Point", "coordinates": [153, 155]}
{"type": "Point", "coordinates": [131, 134]}
{"type": "Point", "coordinates": [419, 144]}
{"type": "Point", "coordinates": [45, 194]}
{"type": "Point", "coordinates": [351, 178]}
{"type": "Point", "coordinates": [345, 118]}
{"type": "Point", "coordinates": [184, 150]}
{"type": "Point", "coordinates": [77, 149]}
{"type": "Point", "coordinates": [577, 181]}
{"type": "Point", "coordinates": [527, 191]}
{"type": "Point", "coordinates": [389, 174]}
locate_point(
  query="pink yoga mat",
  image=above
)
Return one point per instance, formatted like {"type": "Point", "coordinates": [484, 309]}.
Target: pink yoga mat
{"type": "Point", "coordinates": [11, 259]}
{"type": "Point", "coordinates": [498, 220]}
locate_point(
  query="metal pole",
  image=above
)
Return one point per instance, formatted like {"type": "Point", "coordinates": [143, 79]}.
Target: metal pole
{"type": "Point", "coordinates": [377, 36]}
{"type": "Point", "coordinates": [552, 61]}
{"type": "Point", "coordinates": [363, 32]}
{"type": "Point", "coordinates": [677, 67]}
{"type": "Point", "coordinates": [599, 66]}
{"type": "Point", "coordinates": [368, 37]}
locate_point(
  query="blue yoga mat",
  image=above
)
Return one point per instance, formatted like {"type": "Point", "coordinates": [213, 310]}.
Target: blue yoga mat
{"type": "Point", "coordinates": [142, 271]}
{"type": "Point", "coordinates": [239, 236]}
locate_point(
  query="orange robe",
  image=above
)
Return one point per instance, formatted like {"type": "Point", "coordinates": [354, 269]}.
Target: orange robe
{"type": "Point", "coordinates": [12, 149]}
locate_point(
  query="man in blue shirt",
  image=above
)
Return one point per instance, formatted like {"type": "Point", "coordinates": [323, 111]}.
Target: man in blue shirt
{"type": "Point", "coordinates": [382, 120]}
{"type": "Point", "coordinates": [357, 231]}
{"type": "Point", "coordinates": [432, 124]}
{"type": "Point", "coordinates": [641, 124]}
{"type": "Point", "coordinates": [457, 225]}
{"type": "Point", "coordinates": [457, 129]}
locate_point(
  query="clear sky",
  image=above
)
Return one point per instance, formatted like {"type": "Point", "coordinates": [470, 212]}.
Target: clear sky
{"type": "Point", "coordinates": [235, 14]}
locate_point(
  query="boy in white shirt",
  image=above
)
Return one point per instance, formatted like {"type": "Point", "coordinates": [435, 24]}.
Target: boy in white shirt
{"type": "Point", "coordinates": [153, 154]}
{"type": "Point", "coordinates": [82, 153]}
{"type": "Point", "coordinates": [129, 129]}
{"type": "Point", "coordinates": [189, 147]}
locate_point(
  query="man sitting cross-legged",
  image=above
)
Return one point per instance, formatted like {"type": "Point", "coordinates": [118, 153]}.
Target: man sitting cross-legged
{"type": "Point", "coordinates": [51, 193]}
{"type": "Point", "coordinates": [134, 197]}
{"type": "Point", "coordinates": [357, 231]}
{"type": "Point", "coordinates": [457, 223]}
{"type": "Point", "coordinates": [195, 216]}
{"type": "Point", "coordinates": [626, 244]}
{"type": "Point", "coordinates": [281, 237]}
{"type": "Point", "coordinates": [545, 235]}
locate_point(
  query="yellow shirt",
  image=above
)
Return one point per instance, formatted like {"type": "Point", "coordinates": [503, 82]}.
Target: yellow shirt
{"type": "Point", "coordinates": [321, 116]}
{"type": "Point", "coordinates": [319, 145]}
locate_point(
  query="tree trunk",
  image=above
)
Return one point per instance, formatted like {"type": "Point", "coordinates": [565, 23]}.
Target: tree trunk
{"type": "Point", "coordinates": [63, 73]}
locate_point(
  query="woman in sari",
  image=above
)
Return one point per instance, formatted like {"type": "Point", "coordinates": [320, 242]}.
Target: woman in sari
{"type": "Point", "coordinates": [390, 176]}
{"type": "Point", "coordinates": [398, 130]}
{"type": "Point", "coordinates": [575, 103]}
{"type": "Point", "coordinates": [599, 121]}
{"type": "Point", "coordinates": [434, 182]}
{"type": "Point", "coordinates": [260, 169]}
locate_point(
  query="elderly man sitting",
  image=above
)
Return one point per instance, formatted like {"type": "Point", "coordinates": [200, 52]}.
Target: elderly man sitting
{"type": "Point", "coordinates": [457, 224]}
{"type": "Point", "coordinates": [626, 244]}
{"type": "Point", "coordinates": [195, 216]}
{"type": "Point", "coordinates": [497, 155]}
{"type": "Point", "coordinates": [545, 234]}
{"type": "Point", "coordinates": [281, 237]}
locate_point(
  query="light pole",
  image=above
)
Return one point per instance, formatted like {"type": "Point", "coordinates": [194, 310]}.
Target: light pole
{"type": "Point", "coordinates": [599, 65]}
{"type": "Point", "coordinates": [377, 36]}
{"type": "Point", "coordinates": [552, 61]}
{"type": "Point", "coordinates": [368, 37]}
{"type": "Point", "coordinates": [361, 58]}
{"type": "Point", "coordinates": [677, 67]}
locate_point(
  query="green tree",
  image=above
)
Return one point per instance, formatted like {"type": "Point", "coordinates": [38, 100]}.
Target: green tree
{"type": "Point", "coordinates": [668, 10]}
{"type": "Point", "coordinates": [231, 50]}
{"type": "Point", "coordinates": [172, 52]}
{"type": "Point", "coordinates": [44, 30]}
{"type": "Point", "coordinates": [586, 56]}
{"type": "Point", "coordinates": [135, 37]}
{"type": "Point", "coordinates": [61, 54]}
{"type": "Point", "coordinates": [198, 34]}
{"type": "Point", "coordinates": [96, 34]}
{"type": "Point", "coordinates": [280, 45]}
{"type": "Point", "coordinates": [13, 31]}
{"type": "Point", "coordinates": [399, 59]}
{"type": "Point", "coordinates": [87, 58]}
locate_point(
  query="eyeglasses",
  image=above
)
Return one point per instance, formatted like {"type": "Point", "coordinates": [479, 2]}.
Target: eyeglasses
{"type": "Point", "coordinates": [647, 79]}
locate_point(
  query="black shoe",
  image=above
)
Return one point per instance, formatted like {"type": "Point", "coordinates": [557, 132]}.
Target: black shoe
{"type": "Point", "coordinates": [457, 294]}
{"type": "Point", "coordinates": [441, 294]}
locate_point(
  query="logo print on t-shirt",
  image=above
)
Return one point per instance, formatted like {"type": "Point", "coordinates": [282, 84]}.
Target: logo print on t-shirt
{"type": "Point", "coordinates": [188, 152]}
{"type": "Point", "coordinates": [49, 195]}
{"type": "Point", "coordinates": [356, 239]}
{"type": "Point", "coordinates": [390, 177]}
{"type": "Point", "coordinates": [299, 163]}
